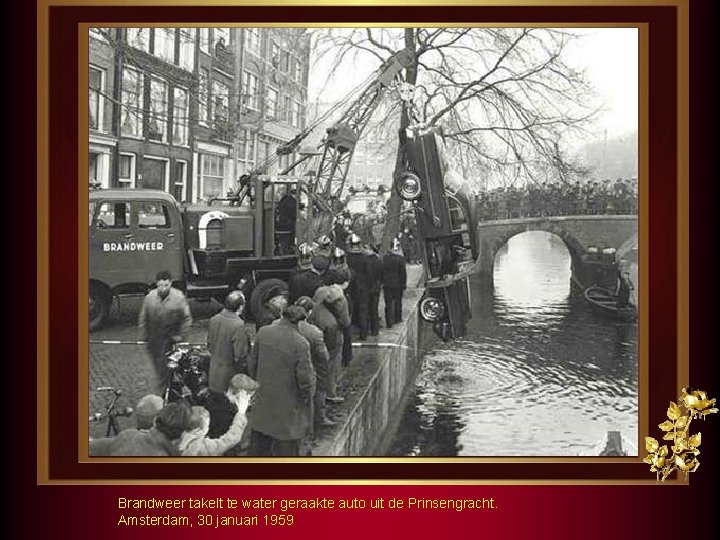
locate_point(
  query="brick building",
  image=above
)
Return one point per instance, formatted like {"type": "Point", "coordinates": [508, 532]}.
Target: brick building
{"type": "Point", "coordinates": [188, 110]}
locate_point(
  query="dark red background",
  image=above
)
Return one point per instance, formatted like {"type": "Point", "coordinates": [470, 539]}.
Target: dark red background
{"type": "Point", "coordinates": [588, 511]}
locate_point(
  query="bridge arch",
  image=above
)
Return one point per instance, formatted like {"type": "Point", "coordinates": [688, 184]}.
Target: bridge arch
{"type": "Point", "coordinates": [577, 233]}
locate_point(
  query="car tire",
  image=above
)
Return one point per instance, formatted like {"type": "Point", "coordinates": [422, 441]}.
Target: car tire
{"type": "Point", "coordinates": [99, 307]}
{"type": "Point", "coordinates": [260, 294]}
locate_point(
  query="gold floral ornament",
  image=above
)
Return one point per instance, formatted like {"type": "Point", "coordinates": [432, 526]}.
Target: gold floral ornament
{"type": "Point", "coordinates": [684, 446]}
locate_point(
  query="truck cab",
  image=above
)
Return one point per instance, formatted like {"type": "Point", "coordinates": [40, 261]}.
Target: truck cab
{"type": "Point", "coordinates": [209, 248]}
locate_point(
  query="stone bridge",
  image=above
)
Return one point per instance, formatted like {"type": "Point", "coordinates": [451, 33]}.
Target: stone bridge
{"type": "Point", "coordinates": [578, 233]}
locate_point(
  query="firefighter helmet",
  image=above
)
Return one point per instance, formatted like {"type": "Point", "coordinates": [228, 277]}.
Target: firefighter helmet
{"type": "Point", "coordinates": [338, 258]}
{"type": "Point", "coordinates": [325, 242]}
{"type": "Point", "coordinates": [305, 255]}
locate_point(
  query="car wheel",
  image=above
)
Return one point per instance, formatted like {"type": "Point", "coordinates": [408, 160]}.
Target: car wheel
{"type": "Point", "coordinates": [99, 307]}
{"type": "Point", "coordinates": [265, 290]}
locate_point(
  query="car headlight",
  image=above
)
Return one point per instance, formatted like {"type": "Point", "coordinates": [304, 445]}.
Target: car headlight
{"type": "Point", "coordinates": [409, 187]}
{"type": "Point", "coordinates": [431, 308]}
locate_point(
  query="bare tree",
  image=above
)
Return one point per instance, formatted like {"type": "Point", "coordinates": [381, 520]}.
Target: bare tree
{"type": "Point", "coordinates": [505, 98]}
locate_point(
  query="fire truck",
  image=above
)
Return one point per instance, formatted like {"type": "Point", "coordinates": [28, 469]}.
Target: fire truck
{"type": "Point", "coordinates": [230, 242]}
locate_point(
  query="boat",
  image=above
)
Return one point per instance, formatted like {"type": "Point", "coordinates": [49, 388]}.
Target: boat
{"type": "Point", "coordinates": [604, 301]}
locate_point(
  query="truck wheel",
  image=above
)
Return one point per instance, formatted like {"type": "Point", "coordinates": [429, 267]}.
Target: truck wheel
{"type": "Point", "coordinates": [262, 292]}
{"type": "Point", "coordinates": [99, 307]}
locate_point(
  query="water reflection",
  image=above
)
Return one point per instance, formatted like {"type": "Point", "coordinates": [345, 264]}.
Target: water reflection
{"type": "Point", "coordinates": [538, 372]}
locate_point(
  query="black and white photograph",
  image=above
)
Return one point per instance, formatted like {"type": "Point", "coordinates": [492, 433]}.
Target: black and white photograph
{"type": "Point", "coordinates": [388, 242]}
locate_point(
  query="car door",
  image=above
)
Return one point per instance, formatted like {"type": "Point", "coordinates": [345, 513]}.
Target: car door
{"type": "Point", "coordinates": [158, 237]}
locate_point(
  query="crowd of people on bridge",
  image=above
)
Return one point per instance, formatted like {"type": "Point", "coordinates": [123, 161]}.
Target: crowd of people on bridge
{"type": "Point", "coordinates": [618, 196]}
{"type": "Point", "coordinates": [267, 396]}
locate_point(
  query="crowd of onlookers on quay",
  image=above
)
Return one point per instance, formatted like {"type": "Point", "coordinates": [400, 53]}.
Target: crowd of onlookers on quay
{"type": "Point", "coordinates": [618, 196]}
{"type": "Point", "coordinates": [268, 395]}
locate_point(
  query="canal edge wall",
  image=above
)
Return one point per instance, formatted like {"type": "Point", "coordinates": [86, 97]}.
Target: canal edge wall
{"type": "Point", "coordinates": [372, 415]}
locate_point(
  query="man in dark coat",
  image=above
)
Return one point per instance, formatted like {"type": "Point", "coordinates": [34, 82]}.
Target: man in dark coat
{"type": "Point", "coordinates": [304, 282]}
{"type": "Point", "coordinates": [164, 320]}
{"type": "Point", "coordinates": [394, 283]}
{"type": "Point", "coordinates": [374, 281]}
{"type": "Point", "coordinates": [320, 359]}
{"type": "Point", "coordinates": [359, 286]}
{"type": "Point", "coordinates": [280, 363]}
{"type": "Point", "coordinates": [228, 343]}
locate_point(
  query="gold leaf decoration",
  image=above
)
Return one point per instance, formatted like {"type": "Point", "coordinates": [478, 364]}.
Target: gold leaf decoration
{"type": "Point", "coordinates": [684, 446]}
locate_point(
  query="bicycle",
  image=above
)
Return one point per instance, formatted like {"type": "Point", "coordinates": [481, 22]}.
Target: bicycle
{"type": "Point", "coordinates": [187, 377]}
{"type": "Point", "coordinates": [111, 413]}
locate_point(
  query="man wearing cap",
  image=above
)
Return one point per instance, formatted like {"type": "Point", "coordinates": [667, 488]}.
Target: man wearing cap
{"type": "Point", "coordinates": [332, 315]}
{"type": "Point", "coordinates": [320, 357]}
{"type": "Point", "coordinates": [280, 363]}
{"type": "Point", "coordinates": [164, 320]}
{"type": "Point", "coordinates": [228, 343]}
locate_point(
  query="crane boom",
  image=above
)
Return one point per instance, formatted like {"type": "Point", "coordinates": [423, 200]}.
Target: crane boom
{"type": "Point", "coordinates": [339, 145]}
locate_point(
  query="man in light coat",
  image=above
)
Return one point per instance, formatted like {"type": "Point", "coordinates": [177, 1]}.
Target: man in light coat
{"type": "Point", "coordinates": [280, 363]}
{"type": "Point", "coordinates": [164, 319]}
{"type": "Point", "coordinates": [228, 343]}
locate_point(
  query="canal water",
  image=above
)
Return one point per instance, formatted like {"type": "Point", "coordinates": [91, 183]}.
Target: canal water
{"type": "Point", "coordinates": [537, 373]}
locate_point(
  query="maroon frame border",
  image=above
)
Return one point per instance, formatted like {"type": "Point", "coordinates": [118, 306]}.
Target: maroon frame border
{"type": "Point", "coordinates": [63, 240]}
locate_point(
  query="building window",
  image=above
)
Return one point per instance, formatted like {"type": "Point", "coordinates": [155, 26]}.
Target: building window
{"type": "Point", "coordinates": [252, 39]}
{"type": "Point", "coordinates": [126, 171]}
{"type": "Point", "coordinates": [154, 173]}
{"type": "Point", "coordinates": [285, 62]}
{"type": "Point", "coordinates": [179, 176]}
{"type": "Point", "coordinates": [251, 90]}
{"type": "Point", "coordinates": [96, 100]}
{"type": "Point", "coordinates": [213, 175]}
{"type": "Point", "coordinates": [287, 110]}
{"type": "Point", "coordinates": [221, 38]}
{"type": "Point", "coordinates": [157, 123]}
{"type": "Point", "coordinates": [203, 96]}
{"type": "Point", "coordinates": [132, 103]}
{"type": "Point", "coordinates": [275, 55]}
{"type": "Point", "coordinates": [251, 150]}
{"type": "Point", "coordinates": [139, 38]}
{"type": "Point", "coordinates": [298, 71]}
{"type": "Point", "coordinates": [295, 119]}
{"type": "Point", "coordinates": [205, 40]}
{"type": "Point", "coordinates": [220, 102]}
{"type": "Point", "coordinates": [94, 169]}
{"type": "Point", "coordinates": [164, 45]}
{"type": "Point", "coordinates": [187, 48]}
{"type": "Point", "coordinates": [271, 103]}
{"type": "Point", "coordinates": [180, 117]}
